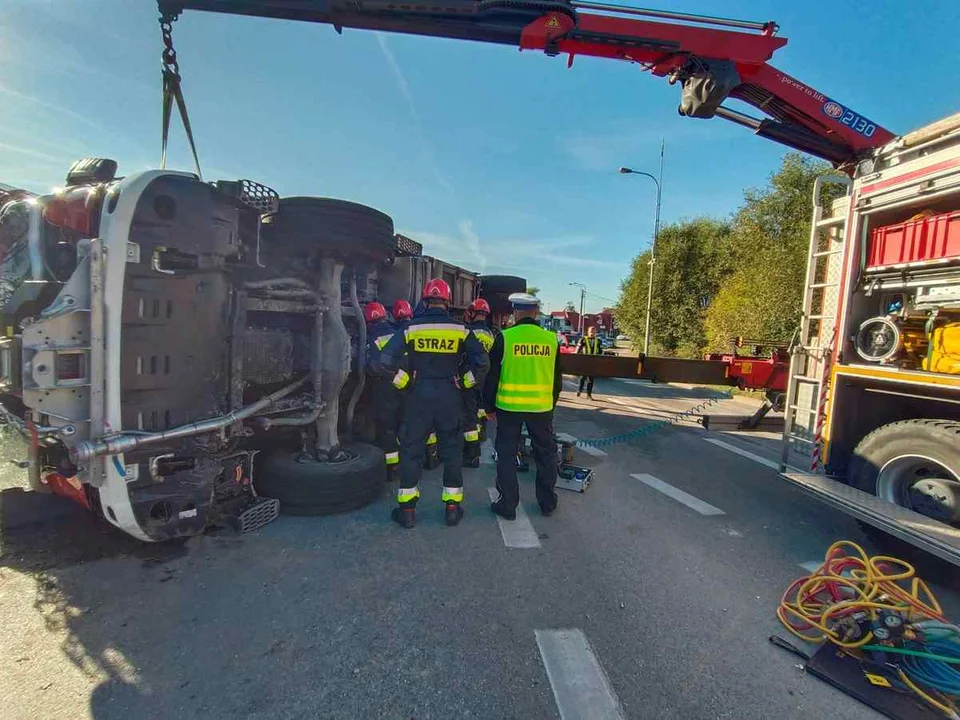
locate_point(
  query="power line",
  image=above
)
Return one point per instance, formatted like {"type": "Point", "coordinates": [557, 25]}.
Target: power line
{"type": "Point", "coordinates": [601, 297]}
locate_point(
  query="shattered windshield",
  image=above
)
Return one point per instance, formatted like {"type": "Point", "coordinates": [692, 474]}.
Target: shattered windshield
{"type": "Point", "coordinates": [14, 251]}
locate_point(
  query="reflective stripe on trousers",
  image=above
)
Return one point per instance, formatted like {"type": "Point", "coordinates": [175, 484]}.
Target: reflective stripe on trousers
{"type": "Point", "coordinates": [392, 458]}
{"type": "Point", "coordinates": [405, 495]}
{"type": "Point", "coordinates": [452, 495]}
{"type": "Point", "coordinates": [472, 435]}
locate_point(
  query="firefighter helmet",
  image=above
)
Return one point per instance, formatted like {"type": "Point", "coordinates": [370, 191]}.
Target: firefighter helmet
{"type": "Point", "coordinates": [480, 306]}
{"type": "Point", "coordinates": [374, 311]}
{"type": "Point", "coordinates": [436, 289]}
{"type": "Point", "coordinates": [402, 310]}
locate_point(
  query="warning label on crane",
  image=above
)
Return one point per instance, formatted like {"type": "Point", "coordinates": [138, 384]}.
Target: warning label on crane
{"type": "Point", "coordinates": [553, 22]}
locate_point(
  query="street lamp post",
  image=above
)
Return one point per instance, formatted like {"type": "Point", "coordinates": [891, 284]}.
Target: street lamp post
{"type": "Point", "coordinates": [653, 246]}
{"type": "Point", "coordinates": [583, 291]}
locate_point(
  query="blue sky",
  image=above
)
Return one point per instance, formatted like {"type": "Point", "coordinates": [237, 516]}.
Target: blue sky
{"type": "Point", "coordinates": [498, 161]}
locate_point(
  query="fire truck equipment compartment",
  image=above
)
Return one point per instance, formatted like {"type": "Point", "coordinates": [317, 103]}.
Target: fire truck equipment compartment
{"type": "Point", "coordinates": [926, 239]}
{"type": "Point", "coordinates": [944, 350]}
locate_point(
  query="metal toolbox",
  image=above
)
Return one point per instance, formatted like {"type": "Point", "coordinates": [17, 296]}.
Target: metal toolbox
{"type": "Point", "coordinates": [573, 477]}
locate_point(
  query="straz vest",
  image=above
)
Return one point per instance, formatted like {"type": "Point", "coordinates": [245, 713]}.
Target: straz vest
{"type": "Point", "coordinates": [483, 334]}
{"type": "Point", "coordinates": [527, 373]}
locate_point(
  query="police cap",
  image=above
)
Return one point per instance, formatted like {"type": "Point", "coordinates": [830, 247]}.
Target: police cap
{"type": "Point", "coordinates": [524, 300]}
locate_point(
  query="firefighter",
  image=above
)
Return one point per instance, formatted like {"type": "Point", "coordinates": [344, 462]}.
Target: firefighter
{"type": "Point", "coordinates": [588, 345]}
{"type": "Point", "coordinates": [402, 314]}
{"type": "Point", "coordinates": [525, 375]}
{"type": "Point", "coordinates": [473, 414]}
{"type": "Point", "coordinates": [386, 398]}
{"type": "Point", "coordinates": [437, 348]}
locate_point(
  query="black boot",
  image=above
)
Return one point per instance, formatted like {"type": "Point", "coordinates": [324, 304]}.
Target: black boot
{"type": "Point", "coordinates": [503, 511]}
{"type": "Point", "coordinates": [454, 513]}
{"type": "Point", "coordinates": [405, 516]}
{"type": "Point", "coordinates": [471, 455]}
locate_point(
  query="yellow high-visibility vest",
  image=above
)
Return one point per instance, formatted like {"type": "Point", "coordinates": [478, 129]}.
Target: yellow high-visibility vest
{"type": "Point", "coordinates": [527, 373]}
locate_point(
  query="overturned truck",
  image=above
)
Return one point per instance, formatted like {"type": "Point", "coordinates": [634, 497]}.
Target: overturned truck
{"type": "Point", "coordinates": [180, 354]}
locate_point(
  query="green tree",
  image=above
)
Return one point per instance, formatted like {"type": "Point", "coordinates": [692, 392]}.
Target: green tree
{"type": "Point", "coordinates": [693, 257]}
{"type": "Point", "coordinates": [533, 289]}
{"type": "Point", "coordinates": [570, 307]}
{"type": "Point", "coordinates": [761, 297]}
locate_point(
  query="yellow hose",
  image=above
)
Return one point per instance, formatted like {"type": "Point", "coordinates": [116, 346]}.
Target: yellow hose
{"type": "Point", "coordinates": [849, 581]}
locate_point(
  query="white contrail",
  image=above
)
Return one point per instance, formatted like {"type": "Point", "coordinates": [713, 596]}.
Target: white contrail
{"type": "Point", "coordinates": [404, 87]}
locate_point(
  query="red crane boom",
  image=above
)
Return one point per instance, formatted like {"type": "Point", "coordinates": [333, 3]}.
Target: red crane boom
{"type": "Point", "coordinates": [712, 58]}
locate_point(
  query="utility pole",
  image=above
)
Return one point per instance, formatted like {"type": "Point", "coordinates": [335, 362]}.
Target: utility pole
{"type": "Point", "coordinates": [653, 246]}
{"type": "Point", "coordinates": [583, 292]}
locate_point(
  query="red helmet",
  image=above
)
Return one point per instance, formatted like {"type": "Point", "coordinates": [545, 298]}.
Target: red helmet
{"type": "Point", "coordinates": [480, 306]}
{"type": "Point", "coordinates": [374, 311]}
{"type": "Point", "coordinates": [402, 310]}
{"type": "Point", "coordinates": [436, 289]}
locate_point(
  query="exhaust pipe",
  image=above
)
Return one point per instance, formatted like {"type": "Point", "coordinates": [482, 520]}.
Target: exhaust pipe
{"type": "Point", "coordinates": [88, 449]}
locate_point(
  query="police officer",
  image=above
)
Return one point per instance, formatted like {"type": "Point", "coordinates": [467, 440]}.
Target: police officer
{"type": "Point", "coordinates": [437, 348]}
{"type": "Point", "coordinates": [473, 414]}
{"type": "Point", "coordinates": [386, 398]}
{"type": "Point", "coordinates": [588, 345]}
{"type": "Point", "coordinates": [525, 372]}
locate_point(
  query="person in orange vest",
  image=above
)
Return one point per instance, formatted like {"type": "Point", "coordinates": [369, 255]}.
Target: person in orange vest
{"type": "Point", "coordinates": [588, 345]}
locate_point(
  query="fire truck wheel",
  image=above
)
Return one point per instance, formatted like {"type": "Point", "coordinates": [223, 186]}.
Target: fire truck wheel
{"type": "Point", "coordinates": [305, 486]}
{"type": "Point", "coordinates": [505, 284]}
{"type": "Point", "coordinates": [337, 226]}
{"type": "Point", "coordinates": [914, 464]}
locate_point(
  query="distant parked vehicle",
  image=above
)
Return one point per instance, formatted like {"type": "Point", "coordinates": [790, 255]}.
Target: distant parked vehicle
{"type": "Point", "coordinates": [623, 337]}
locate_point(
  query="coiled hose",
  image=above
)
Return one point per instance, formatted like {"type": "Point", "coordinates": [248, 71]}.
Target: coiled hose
{"type": "Point", "coordinates": [851, 591]}
{"type": "Point", "coordinates": [654, 426]}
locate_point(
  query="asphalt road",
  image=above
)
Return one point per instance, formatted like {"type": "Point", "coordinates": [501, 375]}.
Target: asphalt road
{"type": "Point", "coordinates": [664, 611]}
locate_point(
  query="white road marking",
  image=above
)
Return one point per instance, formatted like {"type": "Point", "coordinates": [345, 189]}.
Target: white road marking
{"type": "Point", "coordinates": [811, 566]}
{"type": "Point", "coordinates": [744, 453]}
{"type": "Point", "coordinates": [679, 495]}
{"type": "Point", "coordinates": [566, 437]}
{"type": "Point", "coordinates": [596, 452]}
{"type": "Point", "coordinates": [517, 533]}
{"type": "Point", "coordinates": [645, 384]}
{"type": "Point", "coordinates": [486, 453]}
{"type": "Point", "coordinates": [580, 686]}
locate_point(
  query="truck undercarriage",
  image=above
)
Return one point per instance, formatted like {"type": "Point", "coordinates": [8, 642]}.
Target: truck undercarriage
{"type": "Point", "coordinates": [197, 326]}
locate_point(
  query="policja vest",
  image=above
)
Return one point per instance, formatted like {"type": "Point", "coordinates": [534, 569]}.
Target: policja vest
{"type": "Point", "coordinates": [527, 370]}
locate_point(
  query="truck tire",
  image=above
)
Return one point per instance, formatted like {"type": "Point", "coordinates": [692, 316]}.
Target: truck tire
{"type": "Point", "coordinates": [499, 303]}
{"type": "Point", "coordinates": [336, 226]}
{"type": "Point", "coordinates": [305, 486]}
{"type": "Point", "coordinates": [505, 284]}
{"type": "Point", "coordinates": [914, 464]}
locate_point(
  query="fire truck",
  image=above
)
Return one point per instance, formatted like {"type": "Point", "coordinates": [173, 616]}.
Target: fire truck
{"type": "Point", "coordinates": [871, 400]}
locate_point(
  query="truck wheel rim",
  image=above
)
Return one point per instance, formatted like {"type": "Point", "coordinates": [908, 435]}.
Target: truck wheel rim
{"type": "Point", "coordinates": [921, 484]}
